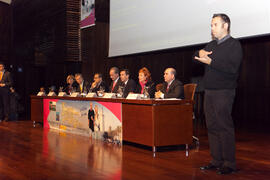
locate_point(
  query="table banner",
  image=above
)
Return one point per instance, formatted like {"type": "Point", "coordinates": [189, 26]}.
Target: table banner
{"type": "Point", "coordinates": [99, 120]}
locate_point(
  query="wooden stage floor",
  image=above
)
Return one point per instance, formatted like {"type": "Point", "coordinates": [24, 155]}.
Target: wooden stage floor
{"type": "Point", "coordinates": [34, 153]}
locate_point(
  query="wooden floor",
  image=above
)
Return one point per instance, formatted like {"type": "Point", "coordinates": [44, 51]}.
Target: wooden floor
{"type": "Point", "coordinates": [28, 152]}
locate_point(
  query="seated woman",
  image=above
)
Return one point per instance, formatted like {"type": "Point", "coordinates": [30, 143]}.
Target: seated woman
{"type": "Point", "coordinates": [71, 84]}
{"type": "Point", "coordinates": [145, 82]}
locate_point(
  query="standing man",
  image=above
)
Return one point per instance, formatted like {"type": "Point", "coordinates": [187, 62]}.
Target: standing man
{"type": "Point", "coordinates": [222, 58]}
{"type": "Point", "coordinates": [114, 75]}
{"type": "Point", "coordinates": [171, 88]}
{"type": "Point", "coordinates": [83, 85]}
{"type": "Point", "coordinates": [128, 84]}
{"type": "Point", "coordinates": [5, 84]}
{"type": "Point", "coordinates": [91, 117]}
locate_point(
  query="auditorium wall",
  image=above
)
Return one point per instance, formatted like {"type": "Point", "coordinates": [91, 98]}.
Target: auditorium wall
{"type": "Point", "coordinates": [252, 104]}
{"type": "Point", "coordinates": [45, 30]}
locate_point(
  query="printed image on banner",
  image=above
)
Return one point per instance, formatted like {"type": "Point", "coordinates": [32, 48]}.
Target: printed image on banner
{"type": "Point", "coordinates": [100, 120]}
{"type": "Point", "coordinates": [87, 13]}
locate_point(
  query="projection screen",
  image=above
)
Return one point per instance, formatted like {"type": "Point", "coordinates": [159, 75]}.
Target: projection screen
{"type": "Point", "coordinates": [138, 26]}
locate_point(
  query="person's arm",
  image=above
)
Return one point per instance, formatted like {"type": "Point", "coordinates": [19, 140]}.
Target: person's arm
{"type": "Point", "coordinates": [110, 87]}
{"type": "Point", "coordinates": [9, 82]}
{"type": "Point", "coordinates": [116, 87]}
{"type": "Point", "coordinates": [152, 90]}
{"type": "Point", "coordinates": [94, 87]}
{"type": "Point", "coordinates": [160, 93]}
{"type": "Point", "coordinates": [87, 86]}
{"type": "Point", "coordinates": [138, 89]}
{"type": "Point", "coordinates": [106, 88]}
{"type": "Point", "coordinates": [203, 52]}
{"type": "Point", "coordinates": [133, 86]}
{"type": "Point", "coordinates": [78, 89]}
{"type": "Point", "coordinates": [65, 89]}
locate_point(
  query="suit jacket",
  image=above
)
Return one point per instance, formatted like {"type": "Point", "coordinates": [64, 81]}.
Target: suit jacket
{"type": "Point", "coordinates": [129, 87]}
{"type": "Point", "coordinates": [6, 79]}
{"type": "Point", "coordinates": [102, 84]}
{"type": "Point", "coordinates": [116, 87]}
{"type": "Point", "coordinates": [85, 87]}
{"type": "Point", "coordinates": [176, 90]}
{"type": "Point", "coordinates": [151, 89]}
{"type": "Point", "coordinates": [69, 88]}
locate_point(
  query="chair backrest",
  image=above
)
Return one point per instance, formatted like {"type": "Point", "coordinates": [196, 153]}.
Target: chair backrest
{"type": "Point", "coordinates": [189, 91]}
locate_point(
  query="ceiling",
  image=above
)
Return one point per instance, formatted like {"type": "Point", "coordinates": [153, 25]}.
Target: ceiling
{"type": "Point", "coordinates": [6, 1]}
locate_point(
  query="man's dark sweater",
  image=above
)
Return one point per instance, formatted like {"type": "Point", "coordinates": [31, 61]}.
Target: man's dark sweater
{"type": "Point", "coordinates": [226, 57]}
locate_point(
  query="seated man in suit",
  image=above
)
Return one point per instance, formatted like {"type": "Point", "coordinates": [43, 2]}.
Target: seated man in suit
{"type": "Point", "coordinates": [114, 75]}
{"type": "Point", "coordinates": [83, 85]}
{"type": "Point", "coordinates": [128, 84]}
{"type": "Point", "coordinates": [98, 84]}
{"type": "Point", "coordinates": [172, 88]}
{"type": "Point", "coordinates": [5, 84]}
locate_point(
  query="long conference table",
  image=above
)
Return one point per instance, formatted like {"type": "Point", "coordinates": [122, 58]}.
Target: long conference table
{"type": "Point", "coordinates": [149, 122]}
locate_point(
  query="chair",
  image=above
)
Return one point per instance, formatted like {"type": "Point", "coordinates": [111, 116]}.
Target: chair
{"type": "Point", "coordinates": [189, 91]}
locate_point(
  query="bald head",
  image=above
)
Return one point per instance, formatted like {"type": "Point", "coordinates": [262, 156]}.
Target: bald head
{"type": "Point", "coordinates": [169, 74]}
{"type": "Point", "coordinates": [114, 73]}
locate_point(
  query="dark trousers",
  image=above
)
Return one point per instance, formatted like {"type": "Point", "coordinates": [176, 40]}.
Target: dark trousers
{"type": "Point", "coordinates": [4, 102]}
{"type": "Point", "coordinates": [218, 107]}
{"type": "Point", "coordinates": [91, 125]}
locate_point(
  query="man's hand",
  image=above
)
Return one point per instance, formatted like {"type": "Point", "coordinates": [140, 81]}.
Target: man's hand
{"type": "Point", "coordinates": [94, 84]}
{"type": "Point", "coordinates": [203, 57]}
{"type": "Point", "coordinates": [158, 95]}
{"type": "Point", "coordinates": [203, 53]}
{"type": "Point", "coordinates": [2, 85]}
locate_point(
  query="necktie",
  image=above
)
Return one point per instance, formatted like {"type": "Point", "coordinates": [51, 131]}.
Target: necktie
{"type": "Point", "coordinates": [81, 87]}
{"type": "Point", "coordinates": [1, 75]}
{"type": "Point", "coordinates": [167, 88]}
{"type": "Point", "coordinates": [114, 83]}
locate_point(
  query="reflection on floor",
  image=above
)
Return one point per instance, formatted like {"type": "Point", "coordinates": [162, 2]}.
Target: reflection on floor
{"type": "Point", "coordinates": [36, 153]}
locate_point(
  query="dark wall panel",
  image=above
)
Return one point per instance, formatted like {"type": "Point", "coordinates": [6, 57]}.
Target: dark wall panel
{"type": "Point", "coordinates": [46, 44]}
{"type": "Point", "coordinates": [6, 31]}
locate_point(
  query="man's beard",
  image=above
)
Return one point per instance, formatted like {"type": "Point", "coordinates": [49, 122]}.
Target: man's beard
{"type": "Point", "coordinates": [213, 36]}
